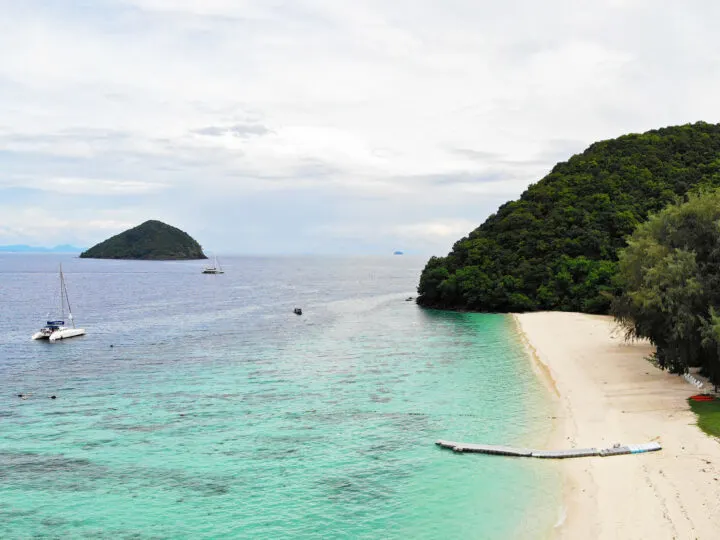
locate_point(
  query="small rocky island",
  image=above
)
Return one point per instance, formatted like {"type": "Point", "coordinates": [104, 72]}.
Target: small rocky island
{"type": "Point", "coordinates": [150, 241]}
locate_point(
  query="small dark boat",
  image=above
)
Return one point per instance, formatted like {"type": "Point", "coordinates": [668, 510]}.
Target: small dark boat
{"type": "Point", "coordinates": [297, 311]}
{"type": "Point", "coordinates": [409, 299]}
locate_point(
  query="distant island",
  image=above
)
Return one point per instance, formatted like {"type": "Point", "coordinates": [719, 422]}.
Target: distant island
{"type": "Point", "coordinates": [150, 241]}
{"type": "Point", "coordinates": [24, 248]}
{"type": "Point", "coordinates": [556, 248]}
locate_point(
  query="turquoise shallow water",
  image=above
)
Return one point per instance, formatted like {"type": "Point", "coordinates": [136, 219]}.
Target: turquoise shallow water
{"type": "Point", "coordinates": [219, 413]}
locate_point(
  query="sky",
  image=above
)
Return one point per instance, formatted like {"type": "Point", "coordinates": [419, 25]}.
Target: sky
{"type": "Point", "coordinates": [324, 126]}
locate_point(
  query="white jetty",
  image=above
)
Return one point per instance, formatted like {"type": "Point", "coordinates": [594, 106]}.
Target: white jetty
{"type": "Point", "coordinates": [617, 450]}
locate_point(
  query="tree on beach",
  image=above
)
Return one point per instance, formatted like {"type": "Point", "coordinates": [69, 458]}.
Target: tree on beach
{"type": "Point", "coordinates": [669, 276]}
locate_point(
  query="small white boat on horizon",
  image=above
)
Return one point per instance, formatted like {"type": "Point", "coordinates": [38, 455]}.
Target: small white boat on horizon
{"type": "Point", "coordinates": [214, 269]}
{"type": "Point", "coordinates": [55, 330]}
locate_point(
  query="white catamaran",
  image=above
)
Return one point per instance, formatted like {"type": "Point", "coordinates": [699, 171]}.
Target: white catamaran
{"type": "Point", "coordinates": [56, 329]}
{"type": "Point", "coordinates": [214, 269]}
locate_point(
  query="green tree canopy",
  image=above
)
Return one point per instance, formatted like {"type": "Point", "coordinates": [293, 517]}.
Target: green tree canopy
{"type": "Point", "coordinates": [670, 277]}
{"type": "Point", "coordinates": [152, 240]}
{"type": "Point", "coordinates": [556, 247]}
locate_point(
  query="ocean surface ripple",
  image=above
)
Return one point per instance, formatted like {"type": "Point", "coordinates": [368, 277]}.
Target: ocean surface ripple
{"type": "Point", "coordinates": [200, 406]}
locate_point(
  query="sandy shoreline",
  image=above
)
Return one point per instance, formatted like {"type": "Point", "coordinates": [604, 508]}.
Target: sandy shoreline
{"type": "Point", "coordinates": [608, 393]}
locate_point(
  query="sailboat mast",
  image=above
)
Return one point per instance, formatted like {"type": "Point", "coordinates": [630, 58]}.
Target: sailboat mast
{"type": "Point", "coordinates": [63, 292]}
{"type": "Point", "coordinates": [62, 303]}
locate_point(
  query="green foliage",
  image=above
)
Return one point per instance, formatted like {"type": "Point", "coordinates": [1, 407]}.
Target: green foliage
{"type": "Point", "coordinates": [708, 413]}
{"type": "Point", "coordinates": [556, 247]}
{"type": "Point", "coordinates": [153, 240]}
{"type": "Point", "coordinates": [669, 275]}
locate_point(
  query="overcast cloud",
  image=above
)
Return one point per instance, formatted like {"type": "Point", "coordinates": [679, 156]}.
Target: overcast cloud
{"type": "Point", "coordinates": [264, 126]}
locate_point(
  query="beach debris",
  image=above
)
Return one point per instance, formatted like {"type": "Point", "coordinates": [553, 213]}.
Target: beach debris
{"type": "Point", "coordinates": [692, 380]}
{"type": "Point", "coordinates": [702, 397]}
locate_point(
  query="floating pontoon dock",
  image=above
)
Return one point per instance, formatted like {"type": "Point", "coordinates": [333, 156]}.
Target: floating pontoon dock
{"type": "Point", "coordinates": [549, 454]}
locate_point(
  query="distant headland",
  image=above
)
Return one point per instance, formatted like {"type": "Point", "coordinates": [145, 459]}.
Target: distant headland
{"type": "Point", "coordinates": [556, 247]}
{"type": "Point", "coordinates": [150, 241]}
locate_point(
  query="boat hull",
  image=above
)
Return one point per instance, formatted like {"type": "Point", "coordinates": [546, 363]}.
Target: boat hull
{"type": "Point", "coordinates": [66, 333]}
{"type": "Point", "coordinates": [62, 333]}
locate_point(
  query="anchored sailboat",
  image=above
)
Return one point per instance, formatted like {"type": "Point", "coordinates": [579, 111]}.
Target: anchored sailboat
{"type": "Point", "coordinates": [214, 269]}
{"type": "Point", "coordinates": [56, 329]}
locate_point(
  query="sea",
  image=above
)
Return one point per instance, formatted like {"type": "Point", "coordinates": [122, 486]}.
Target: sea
{"type": "Point", "coordinates": [201, 406]}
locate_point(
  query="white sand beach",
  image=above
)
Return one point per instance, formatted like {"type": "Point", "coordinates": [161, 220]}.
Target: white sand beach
{"type": "Point", "coordinates": [608, 393]}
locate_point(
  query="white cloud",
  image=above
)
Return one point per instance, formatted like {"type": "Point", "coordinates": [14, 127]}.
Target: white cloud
{"type": "Point", "coordinates": [92, 186]}
{"type": "Point", "coordinates": [451, 229]}
{"type": "Point", "coordinates": [39, 226]}
{"type": "Point", "coordinates": [222, 8]}
{"type": "Point", "coordinates": [85, 186]}
{"type": "Point", "coordinates": [366, 106]}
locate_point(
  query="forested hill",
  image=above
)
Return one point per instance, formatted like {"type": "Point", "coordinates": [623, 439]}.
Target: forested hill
{"type": "Point", "coordinates": [556, 247]}
{"type": "Point", "coordinates": [152, 240]}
